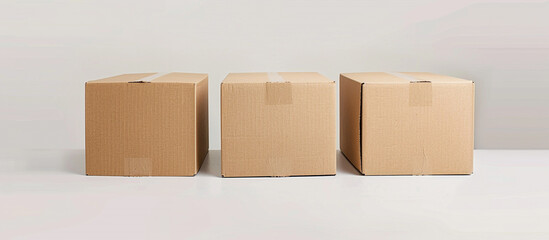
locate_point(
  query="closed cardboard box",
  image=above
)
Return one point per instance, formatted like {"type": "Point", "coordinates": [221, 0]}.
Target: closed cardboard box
{"type": "Point", "coordinates": [147, 124]}
{"type": "Point", "coordinates": [277, 124]}
{"type": "Point", "coordinates": [407, 123]}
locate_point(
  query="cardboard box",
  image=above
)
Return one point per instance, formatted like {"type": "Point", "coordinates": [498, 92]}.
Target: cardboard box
{"type": "Point", "coordinates": [407, 123]}
{"type": "Point", "coordinates": [277, 124]}
{"type": "Point", "coordinates": [147, 124]}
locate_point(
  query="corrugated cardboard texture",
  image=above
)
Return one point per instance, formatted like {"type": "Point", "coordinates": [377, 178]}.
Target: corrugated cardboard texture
{"type": "Point", "coordinates": [158, 128]}
{"type": "Point", "coordinates": [408, 128]}
{"type": "Point", "coordinates": [350, 110]}
{"type": "Point", "coordinates": [278, 93]}
{"type": "Point", "coordinates": [202, 126]}
{"type": "Point", "coordinates": [277, 128]}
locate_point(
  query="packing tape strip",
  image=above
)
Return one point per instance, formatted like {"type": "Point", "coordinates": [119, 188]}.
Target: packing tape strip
{"type": "Point", "coordinates": [420, 91]}
{"type": "Point", "coordinates": [420, 95]}
{"type": "Point", "coordinates": [275, 77]}
{"type": "Point", "coordinates": [150, 78]}
{"type": "Point", "coordinates": [278, 91]}
{"type": "Point", "coordinates": [410, 78]}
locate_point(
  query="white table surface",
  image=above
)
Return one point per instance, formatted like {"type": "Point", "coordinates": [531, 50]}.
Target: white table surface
{"type": "Point", "coordinates": [44, 194]}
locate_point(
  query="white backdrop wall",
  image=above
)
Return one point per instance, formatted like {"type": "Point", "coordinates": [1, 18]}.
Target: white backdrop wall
{"type": "Point", "coordinates": [48, 49]}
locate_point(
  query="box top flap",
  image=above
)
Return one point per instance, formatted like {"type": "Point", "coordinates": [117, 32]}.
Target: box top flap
{"type": "Point", "coordinates": [403, 77]}
{"type": "Point", "coordinates": [174, 77]}
{"type": "Point", "coordinates": [263, 77]}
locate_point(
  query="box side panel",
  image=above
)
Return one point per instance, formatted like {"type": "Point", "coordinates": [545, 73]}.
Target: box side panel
{"type": "Point", "coordinates": [89, 116]}
{"type": "Point", "coordinates": [472, 138]}
{"type": "Point", "coordinates": [222, 99]}
{"type": "Point", "coordinates": [278, 129]}
{"type": "Point", "coordinates": [186, 137]}
{"type": "Point", "coordinates": [415, 129]}
{"type": "Point", "coordinates": [202, 130]}
{"type": "Point", "coordinates": [140, 129]}
{"type": "Point", "coordinates": [350, 97]}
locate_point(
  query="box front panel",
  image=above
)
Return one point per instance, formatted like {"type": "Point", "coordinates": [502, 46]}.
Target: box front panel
{"type": "Point", "coordinates": [140, 129]}
{"type": "Point", "coordinates": [418, 128]}
{"type": "Point", "coordinates": [278, 129]}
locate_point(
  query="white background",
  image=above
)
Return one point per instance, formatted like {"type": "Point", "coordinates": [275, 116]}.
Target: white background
{"type": "Point", "coordinates": [45, 195]}
{"type": "Point", "coordinates": [48, 49]}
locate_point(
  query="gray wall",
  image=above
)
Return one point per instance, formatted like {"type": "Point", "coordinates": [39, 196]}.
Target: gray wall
{"type": "Point", "coordinates": [48, 49]}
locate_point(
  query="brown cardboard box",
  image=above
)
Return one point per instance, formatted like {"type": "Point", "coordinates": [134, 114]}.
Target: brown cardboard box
{"type": "Point", "coordinates": [277, 124]}
{"type": "Point", "coordinates": [407, 123]}
{"type": "Point", "coordinates": [147, 124]}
